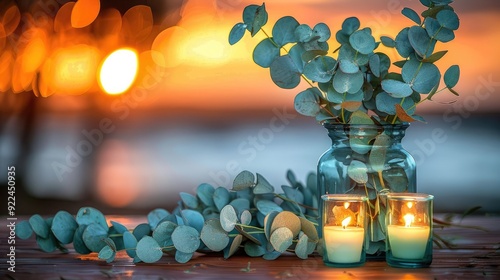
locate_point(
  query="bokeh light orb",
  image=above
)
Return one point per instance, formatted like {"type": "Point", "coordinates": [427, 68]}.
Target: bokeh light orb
{"type": "Point", "coordinates": [119, 71]}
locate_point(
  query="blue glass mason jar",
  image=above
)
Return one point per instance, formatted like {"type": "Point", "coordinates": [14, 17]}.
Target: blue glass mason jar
{"type": "Point", "coordinates": [367, 160]}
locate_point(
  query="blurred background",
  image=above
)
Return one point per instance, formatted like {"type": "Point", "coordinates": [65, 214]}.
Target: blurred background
{"type": "Point", "coordinates": [81, 131]}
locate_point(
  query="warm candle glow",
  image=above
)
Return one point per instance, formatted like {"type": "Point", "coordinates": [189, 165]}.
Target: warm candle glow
{"type": "Point", "coordinates": [409, 219]}
{"type": "Point", "coordinates": [346, 205]}
{"type": "Point", "coordinates": [119, 70]}
{"type": "Point", "coordinates": [346, 222]}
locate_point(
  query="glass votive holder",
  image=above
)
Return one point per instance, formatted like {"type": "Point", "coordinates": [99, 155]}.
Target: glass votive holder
{"type": "Point", "coordinates": [409, 230]}
{"type": "Point", "coordinates": [344, 223]}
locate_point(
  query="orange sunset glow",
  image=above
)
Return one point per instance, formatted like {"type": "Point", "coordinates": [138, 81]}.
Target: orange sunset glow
{"type": "Point", "coordinates": [202, 69]}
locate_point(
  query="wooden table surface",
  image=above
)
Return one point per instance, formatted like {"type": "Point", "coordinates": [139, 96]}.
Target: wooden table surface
{"type": "Point", "coordinates": [476, 256]}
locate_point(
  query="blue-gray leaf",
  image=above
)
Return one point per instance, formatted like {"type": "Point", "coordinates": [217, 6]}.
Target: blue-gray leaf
{"type": "Point", "coordinates": [434, 30]}
{"type": "Point", "coordinates": [307, 102]}
{"type": "Point", "coordinates": [186, 239]}
{"type": "Point", "coordinates": [322, 32]}
{"type": "Point", "coordinates": [396, 88]}
{"type": "Point", "coordinates": [221, 197]}
{"type": "Point", "coordinates": [228, 218]}
{"type": "Point", "coordinates": [350, 83]}
{"type": "Point", "coordinates": [448, 19]}
{"type": "Point", "coordinates": [451, 76]}
{"type": "Point", "coordinates": [205, 193]}
{"type": "Point", "coordinates": [24, 230]}
{"type": "Point", "coordinates": [285, 72]}
{"type": "Point", "coordinates": [154, 217]}
{"type": "Point", "coordinates": [89, 215]}
{"type": "Point", "coordinates": [357, 171]}
{"type": "Point", "coordinates": [181, 257]}
{"type": "Point", "coordinates": [388, 41]}
{"type": "Point", "coordinates": [236, 33]}
{"type": "Point", "coordinates": [39, 226]}
{"type": "Point", "coordinates": [320, 69]}
{"type": "Point", "coordinates": [214, 236]}
{"type": "Point", "coordinates": [348, 66]}
{"type": "Point", "coordinates": [189, 200]}
{"type": "Point", "coordinates": [64, 226]}
{"type": "Point", "coordinates": [421, 42]}
{"type": "Point", "coordinates": [265, 53]}
{"type": "Point", "coordinates": [303, 33]}
{"type": "Point", "coordinates": [163, 233]}
{"type": "Point", "coordinates": [262, 186]}
{"type": "Point", "coordinates": [411, 14]}
{"type": "Point", "coordinates": [266, 206]}
{"type": "Point", "coordinates": [350, 25]}
{"type": "Point", "coordinates": [148, 250]}
{"type": "Point", "coordinates": [284, 30]}
{"type": "Point", "coordinates": [403, 45]}
{"type": "Point", "coordinates": [193, 218]}
{"type": "Point", "coordinates": [94, 236]}
{"type": "Point", "coordinates": [130, 243]}
{"type": "Point", "coordinates": [363, 41]}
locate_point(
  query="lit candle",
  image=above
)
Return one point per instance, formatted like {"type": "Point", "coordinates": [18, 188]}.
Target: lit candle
{"type": "Point", "coordinates": [408, 242]}
{"type": "Point", "coordinates": [343, 243]}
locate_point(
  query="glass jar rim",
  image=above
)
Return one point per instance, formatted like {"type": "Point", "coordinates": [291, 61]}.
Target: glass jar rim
{"type": "Point", "coordinates": [344, 197]}
{"type": "Point", "coordinates": [410, 196]}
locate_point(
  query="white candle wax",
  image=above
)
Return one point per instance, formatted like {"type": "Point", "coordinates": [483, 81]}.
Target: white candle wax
{"type": "Point", "coordinates": [408, 242]}
{"type": "Point", "coordinates": [343, 245]}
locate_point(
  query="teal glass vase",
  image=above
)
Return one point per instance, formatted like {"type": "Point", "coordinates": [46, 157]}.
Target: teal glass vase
{"type": "Point", "coordinates": [367, 160]}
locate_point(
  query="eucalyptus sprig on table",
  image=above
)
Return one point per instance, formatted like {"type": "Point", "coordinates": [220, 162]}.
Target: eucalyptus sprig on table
{"type": "Point", "coordinates": [358, 79]}
{"type": "Point", "coordinates": [251, 216]}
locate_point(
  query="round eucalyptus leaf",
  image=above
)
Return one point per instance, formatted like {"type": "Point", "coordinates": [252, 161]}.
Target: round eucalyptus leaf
{"type": "Point", "coordinates": [39, 226]}
{"type": "Point", "coordinates": [130, 243]}
{"type": "Point", "coordinates": [285, 73]}
{"type": "Point", "coordinates": [155, 216]}
{"type": "Point", "coordinates": [348, 66]}
{"type": "Point", "coordinates": [357, 171]}
{"type": "Point", "coordinates": [362, 41]}
{"type": "Point", "coordinates": [270, 256]}
{"type": "Point", "coordinates": [236, 33]}
{"type": "Point", "coordinates": [451, 76]}
{"type": "Point", "coordinates": [320, 69]}
{"type": "Point", "coordinates": [281, 239]}
{"type": "Point", "coordinates": [106, 253]}
{"type": "Point", "coordinates": [303, 33]}
{"type": "Point", "coordinates": [228, 218]}
{"type": "Point", "coordinates": [244, 180]}
{"type": "Point", "coordinates": [403, 45]}
{"type": "Point", "coordinates": [334, 96]}
{"type": "Point", "coordinates": [350, 25]}
{"type": "Point", "coordinates": [427, 78]}
{"type": "Point", "coordinates": [93, 237]}
{"type": "Point", "coordinates": [78, 243]}
{"type": "Point", "coordinates": [193, 218]}
{"type": "Point", "coordinates": [350, 83]}
{"type": "Point", "coordinates": [307, 102]}
{"type": "Point", "coordinates": [347, 52]}
{"type": "Point", "coordinates": [301, 248]}
{"type": "Point", "coordinates": [64, 226]}
{"type": "Point", "coordinates": [119, 228]}
{"type": "Point", "coordinates": [255, 17]}
{"type": "Point", "coordinates": [24, 230]}
{"type": "Point", "coordinates": [436, 31]}
{"type": "Point", "coordinates": [309, 229]}
{"type": "Point", "coordinates": [254, 250]}
{"type": "Point", "coordinates": [342, 37]}
{"type": "Point", "coordinates": [186, 239]}
{"type": "Point", "coordinates": [205, 193]}
{"type": "Point", "coordinates": [286, 219]}
{"type": "Point", "coordinates": [448, 19]}
{"type": "Point", "coordinates": [388, 41]}
{"type": "Point", "coordinates": [386, 103]}
{"type": "Point", "coordinates": [163, 233]}
{"type": "Point", "coordinates": [262, 186]}
{"type": "Point", "coordinates": [214, 236]}
{"type": "Point", "coordinates": [89, 215]}
{"type": "Point", "coordinates": [297, 53]}
{"type": "Point", "coordinates": [148, 250]}
{"type": "Point", "coordinates": [396, 88]}
{"type": "Point", "coordinates": [141, 230]}
{"type": "Point", "coordinates": [284, 30]}
{"type": "Point", "coordinates": [240, 205]}
{"type": "Point", "coordinates": [48, 244]}
{"type": "Point", "coordinates": [426, 3]}
{"type": "Point", "coordinates": [268, 221]}
{"type": "Point", "coordinates": [267, 206]}
{"type": "Point", "coordinates": [322, 31]}
{"type": "Point", "coordinates": [359, 117]}
{"type": "Point", "coordinates": [246, 217]}
{"type": "Point", "coordinates": [421, 42]}
{"type": "Point", "coordinates": [235, 245]}
{"type": "Point", "coordinates": [189, 200]}
{"type": "Point", "coordinates": [293, 194]}
{"type": "Point", "coordinates": [265, 53]}
{"type": "Point", "coordinates": [221, 197]}
{"type": "Point", "coordinates": [181, 257]}
{"type": "Point", "coordinates": [411, 14]}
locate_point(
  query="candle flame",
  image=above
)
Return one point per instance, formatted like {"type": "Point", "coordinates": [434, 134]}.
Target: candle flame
{"type": "Point", "coordinates": [346, 205]}
{"type": "Point", "coordinates": [409, 204]}
{"type": "Point", "coordinates": [346, 222]}
{"type": "Point", "coordinates": [409, 219]}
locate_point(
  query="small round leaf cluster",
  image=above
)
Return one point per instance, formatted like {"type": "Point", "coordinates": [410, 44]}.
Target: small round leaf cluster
{"type": "Point", "coordinates": [358, 79]}
{"type": "Point", "coordinates": [250, 216]}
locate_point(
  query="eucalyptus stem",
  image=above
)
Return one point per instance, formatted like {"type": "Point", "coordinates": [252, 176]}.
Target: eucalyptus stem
{"type": "Point", "coordinates": [289, 200]}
